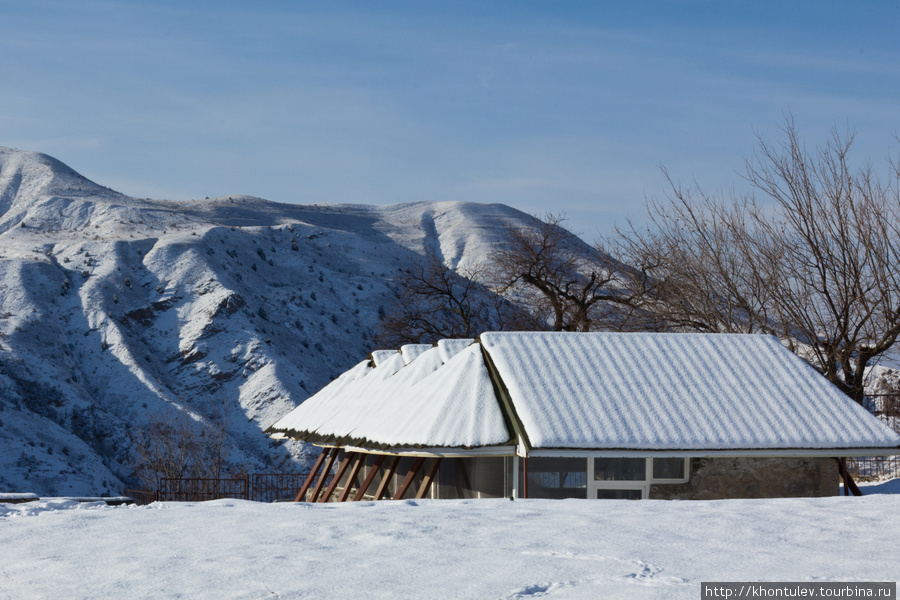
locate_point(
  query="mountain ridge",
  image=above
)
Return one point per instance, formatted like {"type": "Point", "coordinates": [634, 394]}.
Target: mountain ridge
{"type": "Point", "coordinates": [114, 309]}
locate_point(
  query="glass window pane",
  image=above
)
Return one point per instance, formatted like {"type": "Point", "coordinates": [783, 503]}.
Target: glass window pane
{"type": "Point", "coordinates": [555, 477]}
{"type": "Point", "coordinates": [668, 468]}
{"type": "Point", "coordinates": [619, 469]}
{"type": "Point", "coordinates": [474, 477]}
{"type": "Point", "coordinates": [619, 494]}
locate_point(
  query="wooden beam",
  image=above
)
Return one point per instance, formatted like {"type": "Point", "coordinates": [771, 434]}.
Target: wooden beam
{"type": "Point", "coordinates": [369, 478]}
{"type": "Point", "coordinates": [386, 479]}
{"type": "Point", "coordinates": [429, 477]}
{"type": "Point", "coordinates": [354, 471]}
{"type": "Point", "coordinates": [525, 479]}
{"type": "Point", "coordinates": [348, 456]}
{"type": "Point", "coordinates": [849, 485]}
{"type": "Point", "coordinates": [301, 495]}
{"type": "Point", "coordinates": [325, 470]}
{"type": "Point", "coordinates": [407, 481]}
{"type": "Point", "coordinates": [514, 425]}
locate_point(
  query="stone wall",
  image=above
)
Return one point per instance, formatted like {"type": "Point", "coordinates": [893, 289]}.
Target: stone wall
{"type": "Point", "coordinates": [750, 477]}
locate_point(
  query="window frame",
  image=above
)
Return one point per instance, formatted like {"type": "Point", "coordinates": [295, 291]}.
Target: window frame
{"type": "Point", "coordinates": [594, 485]}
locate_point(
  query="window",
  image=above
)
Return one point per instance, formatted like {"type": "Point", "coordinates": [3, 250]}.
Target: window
{"type": "Point", "coordinates": [555, 478]}
{"type": "Point", "coordinates": [621, 478]}
{"type": "Point", "coordinates": [620, 469]}
{"type": "Point", "coordinates": [604, 477]}
{"type": "Point", "coordinates": [669, 468]}
{"type": "Point", "coordinates": [635, 494]}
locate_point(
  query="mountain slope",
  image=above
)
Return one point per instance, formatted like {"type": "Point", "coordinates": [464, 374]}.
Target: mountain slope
{"type": "Point", "coordinates": [232, 310]}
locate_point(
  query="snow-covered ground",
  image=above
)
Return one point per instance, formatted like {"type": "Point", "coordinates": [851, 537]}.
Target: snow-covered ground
{"type": "Point", "coordinates": [441, 549]}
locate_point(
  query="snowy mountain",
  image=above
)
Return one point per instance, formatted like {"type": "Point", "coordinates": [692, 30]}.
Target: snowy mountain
{"type": "Point", "coordinates": [233, 310]}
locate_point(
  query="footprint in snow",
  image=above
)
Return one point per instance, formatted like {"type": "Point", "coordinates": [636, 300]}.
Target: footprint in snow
{"type": "Point", "coordinates": [536, 590]}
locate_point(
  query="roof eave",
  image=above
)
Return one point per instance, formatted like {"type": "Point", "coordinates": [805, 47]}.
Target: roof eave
{"type": "Point", "coordinates": [714, 452]}
{"type": "Point", "coordinates": [375, 447]}
{"type": "Point", "coordinates": [444, 452]}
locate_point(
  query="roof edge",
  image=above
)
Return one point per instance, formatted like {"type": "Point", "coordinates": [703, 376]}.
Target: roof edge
{"type": "Point", "coordinates": [445, 452]}
{"type": "Point", "coordinates": [514, 424]}
{"type": "Point", "coordinates": [736, 452]}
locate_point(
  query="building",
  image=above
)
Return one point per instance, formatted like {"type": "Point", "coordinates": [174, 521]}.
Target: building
{"type": "Point", "coordinates": [583, 415]}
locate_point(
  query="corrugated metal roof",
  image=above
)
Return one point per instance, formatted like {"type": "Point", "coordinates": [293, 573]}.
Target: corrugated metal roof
{"type": "Point", "coordinates": [425, 403]}
{"type": "Point", "coordinates": [411, 352]}
{"type": "Point", "coordinates": [379, 356]}
{"type": "Point", "coordinates": [659, 391]}
{"type": "Point", "coordinates": [601, 391]}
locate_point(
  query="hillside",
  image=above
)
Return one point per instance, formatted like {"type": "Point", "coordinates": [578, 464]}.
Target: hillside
{"type": "Point", "coordinates": [232, 310]}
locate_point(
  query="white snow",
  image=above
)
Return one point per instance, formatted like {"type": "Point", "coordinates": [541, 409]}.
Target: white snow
{"type": "Point", "coordinates": [379, 356]}
{"type": "Point", "coordinates": [115, 309]}
{"type": "Point", "coordinates": [450, 348]}
{"type": "Point", "coordinates": [425, 403]}
{"type": "Point", "coordinates": [413, 351]}
{"type": "Point", "coordinates": [451, 549]}
{"type": "Point", "coordinates": [635, 391]}
{"type": "Point", "coordinates": [655, 391]}
{"type": "Point", "coordinates": [18, 497]}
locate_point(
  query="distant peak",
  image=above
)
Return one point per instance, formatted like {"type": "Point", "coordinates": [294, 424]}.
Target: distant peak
{"type": "Point", "coordinates": [27, 176]}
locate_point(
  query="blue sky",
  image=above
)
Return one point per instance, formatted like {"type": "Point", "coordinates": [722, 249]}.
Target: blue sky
{"type": "Point", "coordinates": [562, 106]}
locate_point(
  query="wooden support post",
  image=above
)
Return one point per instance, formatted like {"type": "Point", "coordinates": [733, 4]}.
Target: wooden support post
{"type": "Point", "coordinates": [386, 479]}
{"type": "Point", "coordinates": [525, 477]}
{"type": "Point", "coordinates": [325, 470]}
{"type": "Point", "coordinates": [429, 477]}
{"type": "Point", "coordinates": [369, 479]}
{"type": "Point", "coordinates": [354, 471]}
{"type": "Point", "coordinates": [301, 495]}
{"type": "Point", "coordinates": [849, 485]}
{"type": "Point", "coordinates": [348, 456]}
{"type": "Point", "coordinates": [407, 481]}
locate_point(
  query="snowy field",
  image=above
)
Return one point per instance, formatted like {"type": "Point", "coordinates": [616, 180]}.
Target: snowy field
{"type": "Point", "coordinates": [499, 549]}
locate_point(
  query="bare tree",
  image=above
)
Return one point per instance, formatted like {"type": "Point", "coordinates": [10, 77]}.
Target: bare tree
{"type": "Point", "coordinates": [815, 265]}
{"type": "Point", "coordinates": [564, 282]}
{"type": "Point", "coordinates": [173, 445]}
{"type": "Point", "coordinates": [437, 302]}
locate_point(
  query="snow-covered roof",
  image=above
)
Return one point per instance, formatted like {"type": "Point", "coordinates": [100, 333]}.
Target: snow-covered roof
{"type": "Point", "coordinates": [590, 391]}
{"type": "Point", "coordinates": [427, 402]}
{"type": "Point", "coordinates": [662, 391]}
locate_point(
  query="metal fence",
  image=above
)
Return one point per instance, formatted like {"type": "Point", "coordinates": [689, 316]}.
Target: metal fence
{"type": "Point", "coordinates": [258, 487]}
{"type": "Point", "coordinates": [867, 468]}
{"type": "Point", "coordinates": [271, 487]}
{"type": "Point", "coordinates": [198, 489]}
{"type": "Point", "coordinates": [887, 408]}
